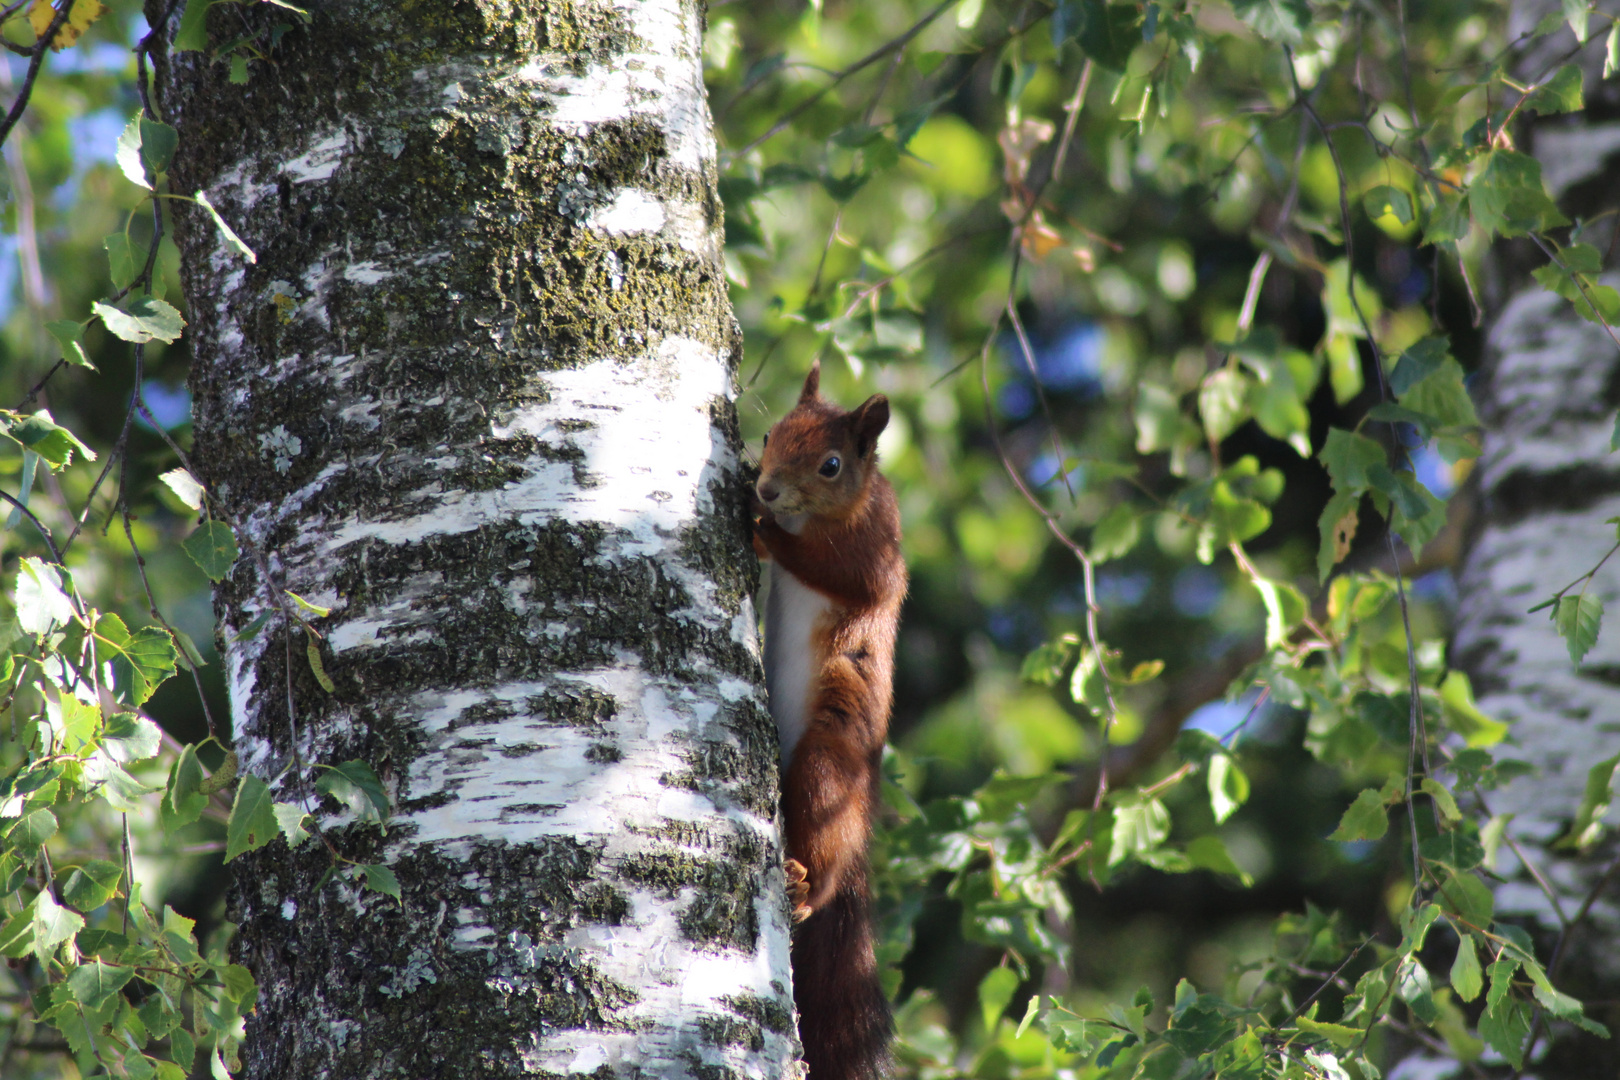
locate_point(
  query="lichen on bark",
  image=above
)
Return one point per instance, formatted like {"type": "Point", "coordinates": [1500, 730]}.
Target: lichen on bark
{"type": "Point", "coordinates": [475, 396]}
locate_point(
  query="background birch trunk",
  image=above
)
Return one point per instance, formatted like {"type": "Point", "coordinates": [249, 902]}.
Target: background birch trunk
{"type": "Point", "coordinates": [475, 395]}
{"type": "Point", "coordinates": [1549, 484]}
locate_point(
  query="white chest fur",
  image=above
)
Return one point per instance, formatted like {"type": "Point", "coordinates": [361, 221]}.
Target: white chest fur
{"type": "Point", "coordinates": [793, 611]}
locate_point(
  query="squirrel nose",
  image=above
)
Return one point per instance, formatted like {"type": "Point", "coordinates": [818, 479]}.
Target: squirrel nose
{"type": "Point", "coordinates": [768, 493]}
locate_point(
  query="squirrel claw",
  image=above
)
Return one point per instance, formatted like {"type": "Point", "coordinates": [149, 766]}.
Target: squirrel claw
{"type": "Point", "coordinates": [798, 889]}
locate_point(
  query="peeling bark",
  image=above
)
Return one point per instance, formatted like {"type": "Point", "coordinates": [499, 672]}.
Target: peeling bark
{"type": "Point", "coordinates": [1548, 484]}
{"type": "Point", "coordinates": [476, 396]}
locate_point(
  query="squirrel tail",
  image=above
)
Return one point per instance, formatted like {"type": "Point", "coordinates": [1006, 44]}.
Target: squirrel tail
{"type": "Point", "coordinates": [844, 1021]}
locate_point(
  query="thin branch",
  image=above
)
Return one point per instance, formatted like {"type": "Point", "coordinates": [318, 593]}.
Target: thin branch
{"type": "Point", "coordinates": [787, 118]}
{"type": "Point", "coordinates": [56, 556]}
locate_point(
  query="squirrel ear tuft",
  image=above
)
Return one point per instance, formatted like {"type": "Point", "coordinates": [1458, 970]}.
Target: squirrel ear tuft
{"type": "Point", "coordinates": [870, 418]}
{"type": "Point", "coordinates": [812, 383]}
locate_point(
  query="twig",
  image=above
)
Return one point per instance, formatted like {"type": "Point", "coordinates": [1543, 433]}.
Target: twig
{"type": "Point", "coordinates": [864, 62]}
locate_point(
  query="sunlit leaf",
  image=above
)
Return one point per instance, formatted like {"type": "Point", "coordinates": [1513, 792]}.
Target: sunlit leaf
{"type": "Point", "coordinates": [252, 822]}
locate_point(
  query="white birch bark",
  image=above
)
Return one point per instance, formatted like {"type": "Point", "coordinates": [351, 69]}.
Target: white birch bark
{"type": "Point", "coordinates": [476, 397]}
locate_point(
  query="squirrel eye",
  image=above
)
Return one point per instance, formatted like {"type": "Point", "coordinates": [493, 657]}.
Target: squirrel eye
{"type": "Point", "coordinates": [830, 467]}
{"type": "Point", "coordinates": [766, 441]}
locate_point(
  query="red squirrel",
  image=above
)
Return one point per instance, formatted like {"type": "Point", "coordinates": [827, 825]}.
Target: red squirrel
{"type": "Point", "coordinates": [829, 531]}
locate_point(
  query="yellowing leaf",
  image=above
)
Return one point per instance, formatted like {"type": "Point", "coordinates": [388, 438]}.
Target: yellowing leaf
{"type": "Point", "coordinates": [84, 12]}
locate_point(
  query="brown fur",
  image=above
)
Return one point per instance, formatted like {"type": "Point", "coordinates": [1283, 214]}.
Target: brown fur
{"type": "Point", "coordinates": [849, 551]}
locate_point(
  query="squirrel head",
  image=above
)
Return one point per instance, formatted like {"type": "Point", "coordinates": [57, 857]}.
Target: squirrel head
{"type": "Point", "coordinates": [819, 459]}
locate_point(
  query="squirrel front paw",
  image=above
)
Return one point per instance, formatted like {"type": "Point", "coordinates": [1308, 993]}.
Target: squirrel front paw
{"type": "Point", "coordinates": [798, 889]}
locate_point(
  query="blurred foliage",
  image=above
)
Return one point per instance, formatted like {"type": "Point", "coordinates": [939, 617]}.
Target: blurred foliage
{"type": "Point", "coordinates": [1175, 307]}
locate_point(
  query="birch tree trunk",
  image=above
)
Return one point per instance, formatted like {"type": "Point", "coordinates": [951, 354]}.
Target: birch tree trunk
{"type": "Point", "coordinates": [475, 395]}
{"type": "Point", "coordinates": [1549, 484]}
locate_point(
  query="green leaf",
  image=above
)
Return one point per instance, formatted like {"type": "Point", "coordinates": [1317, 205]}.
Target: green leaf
{"type": "Point", "coordinates": [124, 260]}
{"type": "Point", "coordinates": [1611, 51]}
{"type": "Point", "coordinates": [1281, 21]}
{"type": "Point", "coordinates": [253, 819]}
{"type": "Point", "coordinates": [71, 724]}
{"type": "Point", "coordinates": [1448, 222]}
{"type": "Point", "coordinates": [1116, 534]}
{"type": "Point", "coordinates": [185, 487]}
{"type": "Point", "coordinates": [996, 991]}
{"type": "Point", "coordinates": [1418, 514]}
{"type": "Point", "coordinates": [1415, 926]}
{"type": "Point", "coordinates": [1198, 1026]}
{"type": "Point", "coordinates": [1576, 13]}
{"type": "Point", "coordinates": [1464, 717]}
{"type": "Point", "coordinates": [213, 547]}
{"type": "Point", "coordinates": [239, 985]}
{"type": "Point", "coordinates": [1222, 402]}
{"type": "Point", "coordinates": [93, 982]}
{"type": "Point", "coordinates": [31, 830]}
{"type": "Point", "coordinates": [1559, 94]}
{"type": "Point", "coordinates": [1159, 423]}
{"type": "Point", "coordinates": [251, 630]}
{"type": "Point", "coordinates": [1418, 362]}
{"type": "Point", "coordinates": [355, 785]}
{"type": "Point", "coordinates": [1234, 518]}
{"type": "Point", "coordinates": [1286, 608]}
{"type": "Point", "coordinates": [182, 802]}
{"type": "Point", "coordinates": [381, 879]}
{"type": "Point", "coordinates": [1505, 1026]}
{"type": "Point", "coordinates": [290, 819]}
{"type": "Point", "coordinates": [140, 661]}
{"type": "Point", "coordinates": [1338, 1034]}
{"type": "Point", "coordinates": [1443, 800]}
{"type": "Point", "coordinates": [53, 924]}
{"type": "Point", "coordinates": [95, 941]}
{"type": "Point", "coordinates": [1455, 849]}
{"type": "Point", "coordinates": [17, 933]}
{"type": "Point", "coordinates": [193, 32]}
{"type": "Point", "coordinates": [1348, 457]}
{"type": "Point", "coordinates": [182, 1048]}
{"type": "Point", "coordinates": [1508, 196]}
{"type": "Point", "coordinates": [146, 318]}
{"type": "Point", "coordinates": [69, 337]}
{"type": "Point", "coordinates": [1440, 393]}
{"type": "Point", "coordinates": [158, 141]}
{"type": "Point", "coordinates": [1385, 199]}
{"type": "Point", "coordinates": [1417, 991]}
{"type": "Point", "coordinates": [239, 70]}
{"type": "Point", "coordinates": [45, 437]}
{"type": "Point", "coordinates": [1587, 828]}
{"type": "Point", "coordinates": [1047, 663]}
{"type": "Point", "coordinates": [1210, 853]}
{"type": "Point", "coordinates": [1466, 976]}
{"type": "Point", "coordinates": [1554, 1001]}
{"type": "Point", "coordinates": [92, 884]}
{"type": "Point", "coordinates": [1140, 825]}
{"type": "Point", "coordinates": [234, 242]}
{"type": "Point", "coordinates": [1366, 819]}
{"type": "Point", "coordinates": [121, 790]}
{"type": "Point", "coordinates": [1338, 527]}
{"type": "Point", "coordinates": [1578, 618]}
{"type": "Point", "coordinates": [179, 937]}
{"type": "Point", "coordinates": [1108, 32]}
{"type": "Point", "coordinates": [1228, 787]}
{"type": "Point", "coordinates": [129, 157]}
{"type": "Point", "coordinates": [130, 737]}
